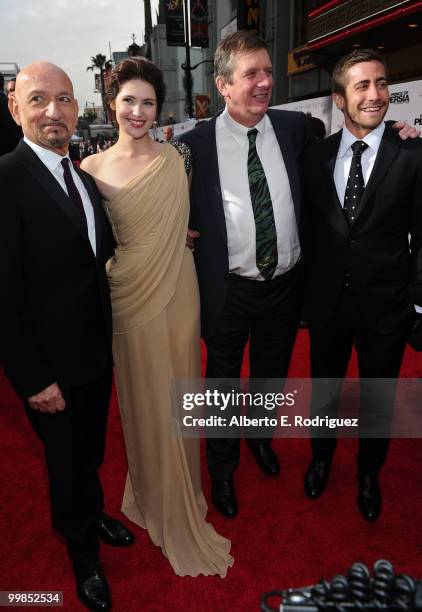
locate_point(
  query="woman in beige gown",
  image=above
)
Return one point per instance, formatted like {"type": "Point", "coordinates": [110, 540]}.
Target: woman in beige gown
{"type": "Point", "coordinates": [155, 304]}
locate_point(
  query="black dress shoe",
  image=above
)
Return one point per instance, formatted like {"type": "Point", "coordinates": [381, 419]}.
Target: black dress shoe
{"type": "Point", "coordinates": [223, 497]}
{"type": "Point", "coordinates": [266, 459]}
{"type": "Point", "coordinates": [113, 532]}
{"type": "Point", "coordinates": [369, 497]}
{"type": "Point", "coordinates": [91, 586]}
{"type": "Point", "coordinates": [316, 478]}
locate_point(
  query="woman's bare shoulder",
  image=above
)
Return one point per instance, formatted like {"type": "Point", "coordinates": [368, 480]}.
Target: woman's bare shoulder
{"type": "Point", "coordinates": [93, 163]}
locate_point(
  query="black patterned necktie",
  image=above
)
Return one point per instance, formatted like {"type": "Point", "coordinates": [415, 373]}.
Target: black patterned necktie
{"type": "Point", "coordinates": [73, 192]}
{"type": "Point", "coordinates": [355, 183]}
{"type": "Point", "coordinates": [266, 234]}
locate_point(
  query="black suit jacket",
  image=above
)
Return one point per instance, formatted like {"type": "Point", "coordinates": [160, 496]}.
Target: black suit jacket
{"type": "Point", "coordinates": [373, 255]}
{"type": "Point", "coordinates": [207, 213]}
{"type": "Point", "coordinates": [10, 132]}
{"type": "Point", "coordinates": [55, 316]}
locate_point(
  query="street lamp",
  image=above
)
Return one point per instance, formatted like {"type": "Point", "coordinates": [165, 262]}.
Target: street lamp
{"type": "Point", "coordinates": [189, 81]}
{"type": "Point", "coordinates": [186, 66]}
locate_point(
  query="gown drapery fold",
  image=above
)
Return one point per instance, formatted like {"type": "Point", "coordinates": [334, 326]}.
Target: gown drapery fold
{"type": "Point", "coordinates": [155, 302]}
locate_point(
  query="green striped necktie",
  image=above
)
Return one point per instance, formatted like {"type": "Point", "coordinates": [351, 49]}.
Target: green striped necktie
{"type": "Point", "coordinates": [266, 235]}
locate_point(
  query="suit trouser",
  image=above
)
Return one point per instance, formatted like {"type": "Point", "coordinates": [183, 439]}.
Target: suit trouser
{"type": "Point", "coordinates": [74, 444]}
{"type": "Point", "coordinates": [379, 357]}
{"type": "Point", "coordinates": [267, 314]}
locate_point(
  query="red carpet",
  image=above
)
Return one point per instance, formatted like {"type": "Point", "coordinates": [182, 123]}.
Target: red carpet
{"type": "Point", "coordinates": [279, 539]}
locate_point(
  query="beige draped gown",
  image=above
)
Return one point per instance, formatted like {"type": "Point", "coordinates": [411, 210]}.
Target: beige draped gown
{"type": "Point", "coordinates": [155, 304]}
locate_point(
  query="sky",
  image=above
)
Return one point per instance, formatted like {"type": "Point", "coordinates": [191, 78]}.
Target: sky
{"type": "Point", "coordinates": [68, 33]}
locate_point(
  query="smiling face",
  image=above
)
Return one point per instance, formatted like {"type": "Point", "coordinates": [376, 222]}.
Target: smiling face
{"type": "Point", "coordinates": [366, 97]}
{"type": "Point", "coordinates": [248, 95]}
{"type": "Point", "coordinates": [45, 107]}
{"type": "Point", "coordinates": [136, 108]}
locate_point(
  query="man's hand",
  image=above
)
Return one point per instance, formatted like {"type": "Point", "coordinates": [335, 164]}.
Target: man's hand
{"type": "Point", "coordinates": [190, 239]}
{"type": "Point", "coordinates": [49, 400]}
{"type": "Point", "coordinates": [415, 338]}
{"type": "Point", "coordinates": [406, 131]}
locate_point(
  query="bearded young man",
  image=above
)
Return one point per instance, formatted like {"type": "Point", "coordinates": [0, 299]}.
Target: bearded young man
{"type": "Point", "coordinates": [363, 190]}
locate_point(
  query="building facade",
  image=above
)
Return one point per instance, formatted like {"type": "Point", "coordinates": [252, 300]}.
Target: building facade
{"type": "Point", "coordinates": [170, 60]}
{"type": "Point", "coordinates": [325, 30]}
{"type": "Point", "coordinates": [9, 70]}
{"type": "Point", "coordinates": [305, 39]}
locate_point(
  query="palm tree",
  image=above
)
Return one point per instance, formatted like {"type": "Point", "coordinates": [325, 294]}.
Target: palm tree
{"type": "Point", "coordinates": [100, 62]}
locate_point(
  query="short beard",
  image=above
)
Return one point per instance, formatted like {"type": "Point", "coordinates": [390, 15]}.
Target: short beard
{"type": "Point", "coordinates": [55, 141]}
{"type": "Point", "coordinates": [369, 126]}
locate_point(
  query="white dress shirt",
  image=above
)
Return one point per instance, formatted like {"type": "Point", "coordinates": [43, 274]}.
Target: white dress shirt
{"type": "Point", "coordinates": [53, 161]}
{"type": "Point", "coordinates": [345, 154]}
{"type": "Point", "coordinates": [232, 153]}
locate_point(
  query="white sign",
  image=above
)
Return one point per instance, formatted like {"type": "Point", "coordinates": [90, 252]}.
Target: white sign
{"type": "Point", "coordinates": [318, 107]}
{"type": "Point", "coordinates": [228, 29]}
{"type": "Point", "coordinates": [178, 129]}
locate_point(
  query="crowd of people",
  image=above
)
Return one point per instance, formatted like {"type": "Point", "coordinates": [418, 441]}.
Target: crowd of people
{"type": "Point", "coordinates": [78, 150]}
{"type": "Point", "coordinates": [150, 245]}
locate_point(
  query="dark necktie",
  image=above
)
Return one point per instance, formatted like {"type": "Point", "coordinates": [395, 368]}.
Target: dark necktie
{"type": "Point", "coordinates": [266, 235]}
{"type": "Point", "coordinates": [73, 192]}
{"type": "Point", "coordinates": [355, 183]}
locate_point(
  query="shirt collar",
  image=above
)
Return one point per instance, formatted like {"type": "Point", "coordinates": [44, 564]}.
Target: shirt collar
{"type": "Point", "coordinates": [373, 139]}
{"type": "Point", "coordinates": [49, 158]}
{"type": "Point", "coordinates": [239, 131]}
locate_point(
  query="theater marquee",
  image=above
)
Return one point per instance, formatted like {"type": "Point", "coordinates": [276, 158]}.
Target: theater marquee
{"type": "Point", "coordinates": [336, 20]}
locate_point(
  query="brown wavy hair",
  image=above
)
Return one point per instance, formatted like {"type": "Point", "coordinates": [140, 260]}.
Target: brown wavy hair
{"type": "Point", "coordinates": [137, 68]}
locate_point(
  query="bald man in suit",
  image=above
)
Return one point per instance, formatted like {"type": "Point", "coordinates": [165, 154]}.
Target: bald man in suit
{"type": "Point", "coordinates": [55, 315]}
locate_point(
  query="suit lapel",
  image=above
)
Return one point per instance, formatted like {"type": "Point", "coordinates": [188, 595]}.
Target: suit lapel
{"type": "Point", "coordinates": [211, 174]}
{"type": "Point", "coordinates": [96, 205]}
{"type": "Point", "coordinates": [335, 210]}
{"type": "Point", "coordinates": [286, 148]}
{"type": "Point", "coordinates": [47, 181]}
{"type": "Point", "coordinates": [387, 152]}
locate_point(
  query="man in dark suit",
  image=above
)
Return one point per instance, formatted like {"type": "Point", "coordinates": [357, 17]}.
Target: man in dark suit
{"type": "Point", "coordinates": [363, 200]}
{"type": "Point", "coordinates": [245, 204]}
{"type": "Point", "coordinates": [55, 316]}
{"type": "Point", "coordinates": [10, 133]}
